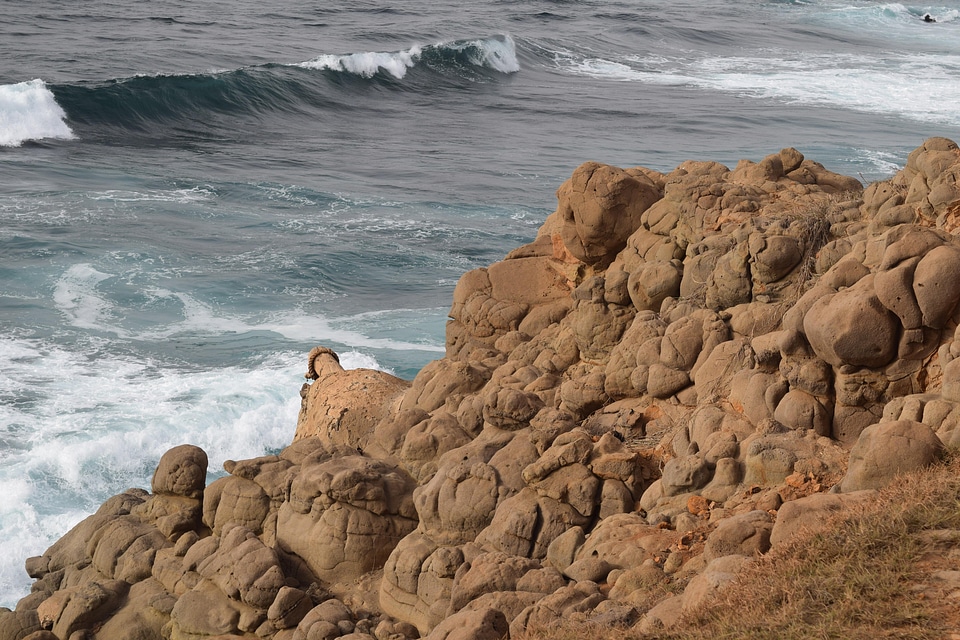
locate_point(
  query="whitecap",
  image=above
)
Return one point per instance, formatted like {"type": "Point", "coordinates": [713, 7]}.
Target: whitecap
{"type": "Point", "coordinates": [499, 53]}
{"type": "Point", "coordinates": [368, 64]}
{"type": "Point", "coordinates": [29, 111]}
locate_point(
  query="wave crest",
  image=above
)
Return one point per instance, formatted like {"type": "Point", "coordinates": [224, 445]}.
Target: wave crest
{"type": "Point", "coordinates": [29, 111]}
{"type": "Point", "coordinates": [497, 53]}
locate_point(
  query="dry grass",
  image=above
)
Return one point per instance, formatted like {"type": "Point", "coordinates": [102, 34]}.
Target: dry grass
{"type": "Point", "coordinates": [868, 575]}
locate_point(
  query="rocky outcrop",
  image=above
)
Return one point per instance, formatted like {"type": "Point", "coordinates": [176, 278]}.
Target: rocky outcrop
{"type": "Point", "coordinates": [682, 370]}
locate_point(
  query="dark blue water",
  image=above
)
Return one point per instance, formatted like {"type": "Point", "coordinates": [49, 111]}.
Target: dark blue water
{"type": "Point", "coordinates": [192, 195]}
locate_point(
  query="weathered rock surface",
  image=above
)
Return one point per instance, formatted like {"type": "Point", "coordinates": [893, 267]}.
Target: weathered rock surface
{"type": "Point", "coordinates": [681, 370]}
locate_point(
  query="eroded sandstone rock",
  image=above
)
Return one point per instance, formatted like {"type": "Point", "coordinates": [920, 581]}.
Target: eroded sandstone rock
{"type": "Point", "coordinates": [664, 383]}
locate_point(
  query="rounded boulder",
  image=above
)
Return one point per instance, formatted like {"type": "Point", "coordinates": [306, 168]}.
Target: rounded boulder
{"type": "Point", "coordinates": [182, 471]}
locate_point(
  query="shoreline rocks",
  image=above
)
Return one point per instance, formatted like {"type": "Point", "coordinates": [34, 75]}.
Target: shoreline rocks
{"type": "Point", "coordinates": [625, 405]}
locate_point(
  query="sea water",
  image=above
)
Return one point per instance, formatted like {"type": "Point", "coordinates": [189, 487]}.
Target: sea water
{"type": "Point", "coordinates": [194, 194]}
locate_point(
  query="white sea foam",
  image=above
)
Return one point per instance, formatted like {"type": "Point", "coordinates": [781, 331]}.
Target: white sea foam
{"type": "Point", "coordinates": [81, 426]}
{"type": "Point", "coordinates": [98, 425]}
{"type": "Point", "coordinates": [29, 111]}
{"type": "Point", "coordinates": [200, 318]}
{"type": "Point", "coordinates": [499, 54]}
{"type": "Point", "coordinates": [883, 86]}
{"type": "Point", "coordinates": [888, 15]}
{"type": "Point", "coordinates": [886, 164]}
{"type": "Point", "coordinates": [368, 64]}
{"type": "Point", "coordinates": [180, 196]}
{"type": "Point", "coordinates": [77, 298]}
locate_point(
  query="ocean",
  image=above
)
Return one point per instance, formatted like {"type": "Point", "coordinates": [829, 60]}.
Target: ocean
{"type": "Point", "coordinates": [194, 194]}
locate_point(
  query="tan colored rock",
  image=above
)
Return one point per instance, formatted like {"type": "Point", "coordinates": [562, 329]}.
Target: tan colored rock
{"type": "Point", "coordinates": [936, 285]}
{"type": "Point", "coordinates": [597, 324]}
{"type": "Point", "coordinates": [685, 474]}
{"type": "Point", "coordinates": [426, 442]}
{"type": "Point", "coordinates": [581, 396]}
{"type": "Point", "coordinates": [733, 330]}
{"type": "Point", "coordinates": [485, 624]}
{"type": "Point", "coordinates": [459, 502]}
{"type": "Point", "coordinates": [88, 606]}
{"type": "Point", "coordinates": [801, 410]}
{"type": "Point", "coordinates": [894, 289]}
{"type": "Point", "coordinates": [623, 358]}
{"type": "Point", "coordinates": [887, 449]}
{"type": "Point", "coordinates": [562, 551]}
{"type": "Point", "coordinates": [343, 407]}
{"type": "Point", "coordinates": [852, 327]}
{"type": "Point", "coordinates": [487, 573]}
{"type": "Point", "coordinates": [244, 568]}
{"type": "Point", "coordinates": [478, 317]}
{"type": "Point", "coordinates": [124, 548]}
{"type": "Point", "coordinates": [811, 513]}
{"type": "Point", "coordinates": [15, 625]}
{"type": "Point", "coordinates": [182, 471]}
{"type": "Point", "coordinates": [235, 500]}
{"type": "Point", "coordinates": [773, 256]}
{"type": "Point", "coordinates": [418, 581]}
{"type": "Point", "coordinates": [525, 524]}
{"type": "Point", "coordinates": [730, 283]}
{"type": "Point", "coordinates": [664, 615]}
{"type": "Point", "coordinates": [527, 281]}
{"type": "Point", "coordinates": [599, 208]}
{"type": "Point", "coordinates": [745, 535]}
{"type": "Point", "coordinates": [767, 464]}
{"type": "Point", "coordinates": [713, 376]}
{"type": "Point", "coordinates": [511, 409]}
{"type": "Point", "coordinates": [577, 598]}
{"type": "Point", "coordinates": [346, 515]}
{"type": "Point", "coordinates": [143, 613]}
{"type": "Point", "coordinates": [441, 379]}
{"type": "Point", "coordinates": [204, 611]}
{"type": "Point", "coordinates": [653, 283]}
{"type": "Point", "coordinates": [625, 541]}
{"type": "Point", "coordinates": [637, 579]}
{"type": "Point", "coordinates": [574, 485]}
{"type": "Point", "coordinates": [289, 608]}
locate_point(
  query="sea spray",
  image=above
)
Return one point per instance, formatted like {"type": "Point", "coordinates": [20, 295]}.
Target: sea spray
{"type": "Point", "coordinates": [29, 111]}
{"type": "Point", "coordinates": [77, 427]}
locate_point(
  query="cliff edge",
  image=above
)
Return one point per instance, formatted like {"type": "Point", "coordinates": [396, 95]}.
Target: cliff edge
{"type": "Point", "coordinates": [678, 374]}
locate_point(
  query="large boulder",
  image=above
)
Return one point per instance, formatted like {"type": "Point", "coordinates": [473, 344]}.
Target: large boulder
{"type": "Point", "coordinates": [599, 207]}
{"type": "Point", "coordinates": [853, 327]}
{"type": "Point", "coordinates": [182, 471]}
{"type": "Point", "coordinates": [345, 515]}
{"type": "Point", "coordinates": [888, 449]}
{"type": "Point", "coordinates": [343, 406]}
